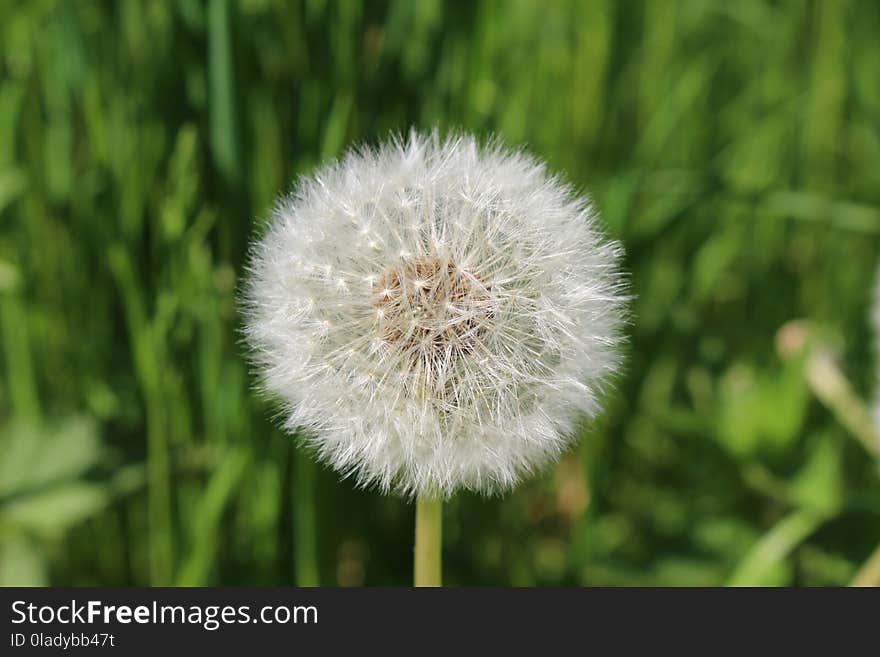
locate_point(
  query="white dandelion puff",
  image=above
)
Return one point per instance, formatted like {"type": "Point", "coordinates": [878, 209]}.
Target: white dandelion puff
{"type": "Point", "coordinates": [435, 315]}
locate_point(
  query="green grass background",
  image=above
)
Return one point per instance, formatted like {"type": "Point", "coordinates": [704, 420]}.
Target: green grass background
{"type": "Point", "coordinates": [733, 147]}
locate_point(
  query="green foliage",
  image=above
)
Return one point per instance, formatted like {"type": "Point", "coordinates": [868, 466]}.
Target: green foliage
{"type": "Point", "coordinates": [734, 148]}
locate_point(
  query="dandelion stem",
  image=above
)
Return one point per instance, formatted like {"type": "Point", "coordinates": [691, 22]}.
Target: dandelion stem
{"type": "Point", "coordinates": [429, 532]}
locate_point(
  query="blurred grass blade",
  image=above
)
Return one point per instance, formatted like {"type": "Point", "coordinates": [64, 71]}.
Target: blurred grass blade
{"type": "Point", "coordinates": [20, 380]}
{"type": "Point", "coordinates": [22, 562]}
{"type": "Point", "coordinates": [222, 109]}
{"type": "Point", "coordinates": [337, 123]}
{"type": "Point", "coordinates": [869, 573]}
{"type": "Point", "coordinates": [147, 364]}
{"type": "Point", "coordinates": [774, 547]}
{"type": "Point", "coordinates": [305, 550]}
{"type": "Point", "coordinates": [207, 516]}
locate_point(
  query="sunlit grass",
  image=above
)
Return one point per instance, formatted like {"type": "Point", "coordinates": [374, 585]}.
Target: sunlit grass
{"type": "Point", "coordinates": [732, 147]}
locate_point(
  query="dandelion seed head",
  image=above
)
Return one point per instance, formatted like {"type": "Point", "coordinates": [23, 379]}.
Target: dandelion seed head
{"type": "Point", "coordinates": [435, 314]}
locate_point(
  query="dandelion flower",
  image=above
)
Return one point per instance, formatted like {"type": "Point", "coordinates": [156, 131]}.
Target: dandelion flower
{"type": "Point", "coordinates": [875, 324]}
{"type": "Point", "coordinates": [435, 314]}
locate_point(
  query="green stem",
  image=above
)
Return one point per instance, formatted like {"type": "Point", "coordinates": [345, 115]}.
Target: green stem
{"type": "Point", "coordinates": [429, 533]}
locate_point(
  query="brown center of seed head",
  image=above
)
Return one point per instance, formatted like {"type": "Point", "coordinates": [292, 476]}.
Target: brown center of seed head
{"type": "Point", "coordinates": [430, 307]}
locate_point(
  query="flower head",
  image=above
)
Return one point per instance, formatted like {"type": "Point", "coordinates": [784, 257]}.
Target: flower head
{"type": "Point", "coordinates": [434, 314]}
